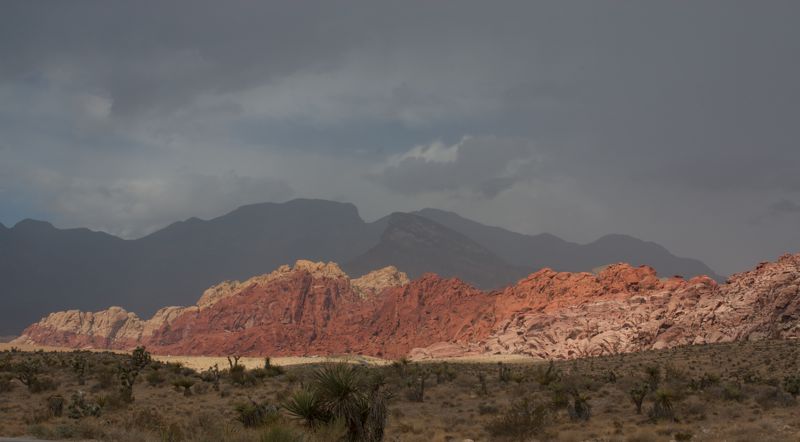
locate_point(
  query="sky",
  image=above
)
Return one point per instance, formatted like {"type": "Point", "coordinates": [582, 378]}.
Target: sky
{"type": "Point", "coordinates": [675, 122]}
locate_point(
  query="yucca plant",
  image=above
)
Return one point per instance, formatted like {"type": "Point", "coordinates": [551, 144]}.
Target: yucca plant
{"type": "Point", "coordinates": [339, 392]}
{"type": "Point", "coordinates": [305, 405]}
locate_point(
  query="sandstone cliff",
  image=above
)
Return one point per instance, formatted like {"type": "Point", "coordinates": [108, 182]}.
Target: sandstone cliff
{"type": "Point", "coordinates": [315, 308]}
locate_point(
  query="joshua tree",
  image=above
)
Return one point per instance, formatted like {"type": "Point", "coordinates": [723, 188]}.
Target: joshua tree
{"type": "Point", "coordinates": [579, 409]}
{"type": "Point", "coordinates": [482, 384]}
{"type": "Point", "coordinates": [653, 376]}
{"type": "Point", "coordinates": [27, 373]}
{"type": "Point", "coordinates": [212, 375]}
{"type": "Point", "coordinates": [233, 361]}
{"type": "Point", "coordinates": [417, 386]}
{"type": "Point", "coordinates": [637, 395]}
{"type": "Point", "coordinates": [503, 372]}
{"type": "Point", "coordinates": [79, 367]}
{"type": "Point", "coordinates": [140, 358]}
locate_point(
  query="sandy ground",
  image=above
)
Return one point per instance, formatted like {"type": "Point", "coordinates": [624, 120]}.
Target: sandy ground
{"type": "Point", "coordinates": [204, 362]}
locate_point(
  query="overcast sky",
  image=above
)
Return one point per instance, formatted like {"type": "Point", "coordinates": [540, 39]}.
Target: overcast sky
{"type": "Point", "coordinates": [673, 121]}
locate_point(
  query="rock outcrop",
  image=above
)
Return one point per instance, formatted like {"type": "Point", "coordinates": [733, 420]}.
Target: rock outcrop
{"type": "Point", "coordinates": [374, 283]}
{"type": "Point", "coordinates": [315, 308]}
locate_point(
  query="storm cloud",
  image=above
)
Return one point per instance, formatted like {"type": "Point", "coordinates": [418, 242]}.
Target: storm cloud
{"type": "Point", "coordinates": [673, 121]}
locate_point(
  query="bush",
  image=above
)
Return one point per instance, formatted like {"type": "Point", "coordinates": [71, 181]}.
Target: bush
{"type": "Point", "coordinates": [792, 385]}
{"type": "Point", "coordinates": [255, 414]}
{"type": "Point", "coordinates": [240, 376]}
{"type": "Point", "coordinates": [212, 376]}
{"type": "Point", "coordinates": [155, 378]}
{"type": "Point", "coordinates": [42, 384]}
{"type": "Point", "coordinates": [281, 433]}
{"type": "Point", "coordinates": [522, 420]}
{"type": "Point", "coordinates": [80, 407]}
{"type": "Point", "coordinates": [184, 384]}
{"type": "Point", "coordinates": [55, 405]}
{"type": "Point", "coordinates": [770, 397]}
{"type": "Point", "coordinates": [5, 383]}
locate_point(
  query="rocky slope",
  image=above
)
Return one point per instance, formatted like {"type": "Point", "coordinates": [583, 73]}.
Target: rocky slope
{"type": "Point", "coordinates": [315, 308]}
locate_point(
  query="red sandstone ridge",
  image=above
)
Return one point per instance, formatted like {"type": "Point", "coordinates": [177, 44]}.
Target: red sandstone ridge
{"type": "Point", "coordinates": [314, 308]}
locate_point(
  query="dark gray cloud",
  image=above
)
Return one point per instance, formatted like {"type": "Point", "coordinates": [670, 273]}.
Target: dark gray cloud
{"type": "Point", "coordinates": [674, 121]}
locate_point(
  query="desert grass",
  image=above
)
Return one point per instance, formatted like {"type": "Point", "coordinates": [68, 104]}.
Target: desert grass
{"type": "Point", "coordinates": [721, 392]}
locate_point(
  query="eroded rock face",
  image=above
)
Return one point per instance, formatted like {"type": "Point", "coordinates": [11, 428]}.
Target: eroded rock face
{"type": "Point", "coordinates": [314, 308]}
{"type": "Point", "coordinates": [111, 328]}
{"type": "Point", "coordinates": [374, 283]}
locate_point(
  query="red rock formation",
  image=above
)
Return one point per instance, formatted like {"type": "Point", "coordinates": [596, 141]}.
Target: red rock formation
{"type": "Point", "coordinates": [314, 308]}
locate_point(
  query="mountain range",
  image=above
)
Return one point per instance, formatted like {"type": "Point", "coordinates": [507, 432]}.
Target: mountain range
{"type": "Point", "coordinates": [44, 268]}
{"type": "Point", "coordinates": [315, 308]}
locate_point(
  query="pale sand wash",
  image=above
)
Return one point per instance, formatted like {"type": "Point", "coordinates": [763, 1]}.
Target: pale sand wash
{"type": "Point", "coordinates": [204, 362]}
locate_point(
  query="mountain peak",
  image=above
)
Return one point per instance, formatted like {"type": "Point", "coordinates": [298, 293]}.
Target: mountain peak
{"type": "Point", "coordinates": [32, 225]}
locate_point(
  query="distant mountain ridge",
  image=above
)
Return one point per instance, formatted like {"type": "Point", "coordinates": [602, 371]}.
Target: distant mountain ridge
{"type": "Point", "coordinates": [45, 269]}
{"type": "Point", "coordinates": [546, 250]}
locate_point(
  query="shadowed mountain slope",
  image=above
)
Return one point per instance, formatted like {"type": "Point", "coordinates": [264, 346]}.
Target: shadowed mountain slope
{"type": "Point", "coordinates": [418, 245]}
{"type": "Point", "coordinates": [545, 250]}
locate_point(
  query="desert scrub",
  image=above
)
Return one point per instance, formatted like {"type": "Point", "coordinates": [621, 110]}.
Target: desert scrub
{"type": "Point", "coordinates": [212, 376]}
{"type": "Point", "coordinates": [80, 406]}
{"type": "Point", "coordinates": [184, 384]}
{"type": "Point", "coordinates": [5, 383]}
{"type": "Point", "coordinates": [521, 421]}
{"type": "Point", "coordinates": [255, 414]}
{"type": "Point", "coordinates": [792, 385]}
{"type": "Point", "coordinates": [155, 378]}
